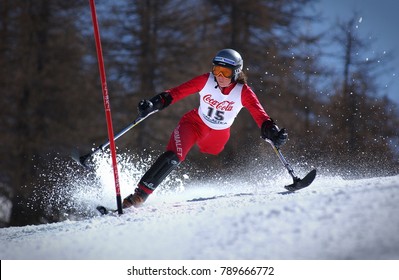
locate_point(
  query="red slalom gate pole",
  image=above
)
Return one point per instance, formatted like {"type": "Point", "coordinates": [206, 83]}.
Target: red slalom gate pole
{"type": "Point", "coordinates": [107, 106]}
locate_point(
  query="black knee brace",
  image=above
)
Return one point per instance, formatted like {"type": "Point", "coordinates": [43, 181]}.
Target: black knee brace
{"type": "Point", "coordinates": [159, 170]}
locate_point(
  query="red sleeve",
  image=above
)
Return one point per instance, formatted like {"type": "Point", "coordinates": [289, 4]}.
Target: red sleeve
{"type": "Point", "coordinates": [190, 87]}
{"type": "Point", "coordinates": [251, 102]}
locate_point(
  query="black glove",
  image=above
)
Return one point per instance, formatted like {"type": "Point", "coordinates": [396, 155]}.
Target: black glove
{"type": "Point", "coordinates": [158, 102]}
{"type": "Point", "coordinates": [145, 107]}
{"type": "Point", "coordinates": [271, 131]}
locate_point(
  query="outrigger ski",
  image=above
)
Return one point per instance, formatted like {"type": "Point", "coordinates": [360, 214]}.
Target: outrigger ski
{"type": "Point", "coordinates": [298, 182]}
{"type": "Point", "coordinates": [105, 210]}
{"type": "Point", "coordinates": [301, 183]}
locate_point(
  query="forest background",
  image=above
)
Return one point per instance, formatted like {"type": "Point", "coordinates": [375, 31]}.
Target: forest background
{"type": "Point", "coordinates": [337, 116]}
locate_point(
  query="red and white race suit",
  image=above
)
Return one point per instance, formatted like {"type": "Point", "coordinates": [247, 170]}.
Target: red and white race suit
{"type": "Point", "coordinates": [209, 125]}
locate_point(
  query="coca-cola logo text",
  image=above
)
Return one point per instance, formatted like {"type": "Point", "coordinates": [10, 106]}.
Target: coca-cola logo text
{"type": "Point", "coordinates": [223, 105]}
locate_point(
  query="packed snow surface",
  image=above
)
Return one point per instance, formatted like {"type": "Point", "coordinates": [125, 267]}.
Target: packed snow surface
{"type": "Point", "coordinates": [234, 218]}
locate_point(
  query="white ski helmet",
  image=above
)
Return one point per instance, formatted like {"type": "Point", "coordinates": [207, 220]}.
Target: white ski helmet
{"type": "Point", "coordinates": [231, 59]}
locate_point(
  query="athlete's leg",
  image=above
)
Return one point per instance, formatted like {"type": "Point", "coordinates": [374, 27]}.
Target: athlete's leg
{"type": "Point", "coordinates": [189, 130]}
{"type": "Point", "coordinates": [181, 141]}
{"type": "Point", "coordinates": [213, 143]}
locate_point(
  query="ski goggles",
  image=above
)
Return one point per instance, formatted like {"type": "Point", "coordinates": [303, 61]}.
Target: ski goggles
{"type": "Point", "coordinates": [224, 71]}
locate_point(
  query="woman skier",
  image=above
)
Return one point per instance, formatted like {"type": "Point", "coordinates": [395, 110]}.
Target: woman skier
{"type": "Point", "coordinates": [223, 92]}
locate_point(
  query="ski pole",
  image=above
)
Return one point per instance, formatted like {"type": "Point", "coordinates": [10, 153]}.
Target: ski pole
{"type": "Point", "coordinates": [298, 183]}
{"type": "Point", "coordinates": [283, 161]}
{"type": "Point", "coordinates": [82, 160]}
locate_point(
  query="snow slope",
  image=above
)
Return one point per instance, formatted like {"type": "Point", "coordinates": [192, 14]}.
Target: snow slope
{"type": "Point", "coordinates": [227, 219]}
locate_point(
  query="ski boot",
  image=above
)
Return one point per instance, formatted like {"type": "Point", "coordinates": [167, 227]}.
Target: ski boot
{"type": "Point", "coordinates": [136, 199]}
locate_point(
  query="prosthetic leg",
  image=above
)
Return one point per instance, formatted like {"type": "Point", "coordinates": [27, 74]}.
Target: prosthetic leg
{"type": "Point", "coordinates": [162, 167]}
